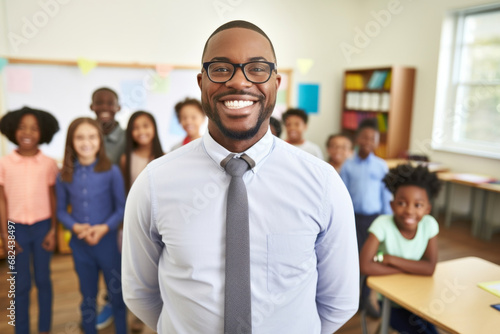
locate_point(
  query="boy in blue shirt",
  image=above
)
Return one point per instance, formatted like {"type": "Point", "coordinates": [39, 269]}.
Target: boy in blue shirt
{"type": "Point", "coordinates": [363, 175]}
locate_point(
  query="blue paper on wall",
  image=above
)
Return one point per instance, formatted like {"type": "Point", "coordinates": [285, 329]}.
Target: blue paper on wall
{"type": "Point", "coordinates": [309, 97]}
{"type": "Point", "coordinates": [133, 94]}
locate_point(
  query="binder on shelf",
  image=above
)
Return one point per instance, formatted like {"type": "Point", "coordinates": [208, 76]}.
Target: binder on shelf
{"type": "Point", "coordinates": [387, 83]}
{"type": "Point", "coordinates": [352, 100]}
{"type": "Point", "coordinates": [382, 123]}
{"type": "Point", "coordinates": [354, 81]}
{"type": "Point", "coordinates": [385, 101]}
{"type": "Point", "coordinates": [374, 101]}
{"type": "Point", "coordinates": [349, 120]}
{"type": "Point", "coordinates": [365, 101]}
{"type": "Point", "coordinates": [377, 80]}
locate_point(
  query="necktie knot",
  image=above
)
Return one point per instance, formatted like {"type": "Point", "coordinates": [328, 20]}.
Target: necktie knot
{"type": "Point", "coordinates": [237, 166]}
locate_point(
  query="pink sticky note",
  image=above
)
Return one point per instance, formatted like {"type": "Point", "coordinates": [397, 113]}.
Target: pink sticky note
{"type": "Point", "coordinates": [164, 69]}
{"type": "Point", "coordinates": [19, 80]}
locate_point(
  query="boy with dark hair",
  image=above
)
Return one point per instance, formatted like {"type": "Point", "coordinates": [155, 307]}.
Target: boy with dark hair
{"type": "Point", "coordinates": [339, 149]}
{"type": "Point", "coordinates": [105, 104]}
{"type": "Point", "coordinates": [363, 175]}
{"type": "Point", "coordinates": [295, 121]}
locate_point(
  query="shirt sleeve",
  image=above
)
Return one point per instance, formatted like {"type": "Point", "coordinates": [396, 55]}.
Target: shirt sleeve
{"type": "Point", "coordinates": [386, 195]}
{"type": "Point", "coordinates": [52, 172]}
{"type": "Point", "coordinates": [344, 175]}
{"type": "Point", "coordinates": [337, 294]}
{"type": "Point", "coordinates": [377, 228]}
{"type": "Point", "coordinates": [62, 197]}
{"type": "Point", "coordinates": [2, 173]}
{"type": "Point", "coordinates": [141, 252]}
{"type": "Point", "coordinates": [118, 193]}
{"type": "Point", "coordinates": [432, 226]}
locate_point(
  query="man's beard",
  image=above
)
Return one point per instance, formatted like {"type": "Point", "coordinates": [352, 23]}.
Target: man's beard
{"type": "Point", "coordinates": [213, 114]}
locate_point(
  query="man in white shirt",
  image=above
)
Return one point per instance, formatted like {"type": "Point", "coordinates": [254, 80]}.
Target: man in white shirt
{"type": "Point", "coordinates": [304, 268]}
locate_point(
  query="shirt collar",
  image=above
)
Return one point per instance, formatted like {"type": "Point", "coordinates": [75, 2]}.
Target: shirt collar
{"type": "Point", "coordinates": [367, 159]}
{"type": "Point", "coordinates": [114, 135]}
{"type": "Point", "coordinates": [18, 157]}
{"type": "Point", "coordinates": [78, 165]}
{"type": "Point", "coordinates": [258, 152]}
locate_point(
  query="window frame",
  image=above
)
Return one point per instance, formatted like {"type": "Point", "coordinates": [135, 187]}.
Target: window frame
{"type": "Point", "coordinates": [448, 85]}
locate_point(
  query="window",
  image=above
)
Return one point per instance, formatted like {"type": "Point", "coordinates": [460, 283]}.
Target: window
{"type": "Point", "coordinates": [467, 113]}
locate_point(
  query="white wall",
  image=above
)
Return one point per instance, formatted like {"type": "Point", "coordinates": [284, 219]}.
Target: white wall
{"type": "Point", "coordinates": [175, 32]}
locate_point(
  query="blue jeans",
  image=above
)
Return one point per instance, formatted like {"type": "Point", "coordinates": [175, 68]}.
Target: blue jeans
{"type": "Point", "coordinates": [30, 238]}
{"type": "Point", "coordinates": [89, 260]}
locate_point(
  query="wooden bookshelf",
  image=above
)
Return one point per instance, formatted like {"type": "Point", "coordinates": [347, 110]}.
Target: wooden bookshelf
{"type": "Point", "coordinates": [386, 94]}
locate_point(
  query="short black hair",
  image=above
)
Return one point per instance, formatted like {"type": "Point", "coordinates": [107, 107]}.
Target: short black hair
{"type": "Point", "coordinates": [276, 124]}
{"type": "Point", "coordinates": [338, 135]}
{"type": "Point", "coordinates": [105, 89]}
{"type": "Point", "coordinates": [368, 123]}
{"type": "Point", "coordinates": [295, 112]}
{"type": "Point", "coordinates": [47, 124]}
{"type": "Point", "coordinates": [409, 175]}
{"type": "Point", "coordinates": [187, 102]}
{"type": "Point", "coordinates": [239, 24]}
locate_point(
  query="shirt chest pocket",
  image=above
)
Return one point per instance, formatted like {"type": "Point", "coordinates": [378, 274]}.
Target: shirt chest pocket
{"type": "Point", "coordinates": [290, 260]}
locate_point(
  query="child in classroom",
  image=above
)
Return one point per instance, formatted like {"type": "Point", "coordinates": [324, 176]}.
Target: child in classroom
{"type": "Point", "coordinates": [105, 104]}
{"type": "Point", "coordinates": [27, 199]}
{"type": "Point", "coordinates": [362, 175]}
{"type": "Point", "coordinates": [191, 117]}
{"type": "Point", "coordinates": [142, 146]}
{"type": "Point", "coordinates": [275, 126]}
{"type": "Point", "coordinates": [406, 241]}
{"type": "Point", "coordinates": [339, 148]}
{"type": "Point", "coordinates": [295, 121]}
{"type": "Point", "coordinates": [94, 188]}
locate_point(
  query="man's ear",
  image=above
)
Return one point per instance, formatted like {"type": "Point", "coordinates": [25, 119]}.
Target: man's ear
{"type": "Point", "coordinates": [198, 78]}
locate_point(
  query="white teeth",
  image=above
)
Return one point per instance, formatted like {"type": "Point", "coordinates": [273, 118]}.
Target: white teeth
{"type": "Point", "coordinates": [237, 104]}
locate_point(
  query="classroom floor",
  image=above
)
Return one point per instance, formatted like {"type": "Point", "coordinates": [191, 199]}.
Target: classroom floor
{"type": "Point", "coordinates": [455, 242]}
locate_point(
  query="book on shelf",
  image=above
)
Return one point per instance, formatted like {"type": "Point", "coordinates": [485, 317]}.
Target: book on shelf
{"type": "Point", "coordinates": [354, 81]}
{"type": "Point", "coordinates": [385, 101]}
{"type": "Point", "coordinates": [387, 83]}
{"type": "Point", "coordinates": [382, 123]}
{"type": "Point", "coordinates": [377, 79]}
{"type": "Point", "coordinates": [349, 120]}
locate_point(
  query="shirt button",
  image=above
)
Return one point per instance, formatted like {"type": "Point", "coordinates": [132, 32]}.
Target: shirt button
{"type": "Point", "coordinates": [84, 190]}
{"type": "Point", "coordinates": [85, 204]}
{"type": "Point", "coordinates": [86, 219]}
{"type": "Point", "coordinates": [84, 175]}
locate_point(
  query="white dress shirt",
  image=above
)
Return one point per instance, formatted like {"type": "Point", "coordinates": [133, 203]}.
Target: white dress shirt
{"type": "Point", "coordinates": [303, 251]}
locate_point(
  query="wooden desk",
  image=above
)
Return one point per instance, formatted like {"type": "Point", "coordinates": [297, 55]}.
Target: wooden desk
{"type": "Point", "coordinates": [479, 196]}
{"type": "Point", "coordinates": [487, 189]}
{"type": "Point", "coordinates": [450, 298]}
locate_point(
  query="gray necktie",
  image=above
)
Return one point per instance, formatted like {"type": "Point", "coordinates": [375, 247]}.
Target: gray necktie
{"type": "Point", "coordinates": [237, 303]}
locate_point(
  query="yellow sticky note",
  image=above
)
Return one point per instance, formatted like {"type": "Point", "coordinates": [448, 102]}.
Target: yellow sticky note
{"type": "Point", "coordinates": [304, 65]}
{"type": "Point", "coordinates": [86, 65]}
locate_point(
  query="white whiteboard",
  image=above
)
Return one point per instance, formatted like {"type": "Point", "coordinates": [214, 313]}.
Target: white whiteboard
{"type": "Point", "coordinates": [66, 92]}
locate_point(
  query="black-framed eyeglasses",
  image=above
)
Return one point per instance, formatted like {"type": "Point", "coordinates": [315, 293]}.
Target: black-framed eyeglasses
{"type": "Point", "coordinates": [257, 72]}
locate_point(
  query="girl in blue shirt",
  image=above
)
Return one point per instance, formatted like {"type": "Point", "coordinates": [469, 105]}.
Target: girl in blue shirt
{"type": "Point", "coordinates": [405, 242]}
{"type": "Point", "coordinates": [94, 189]}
